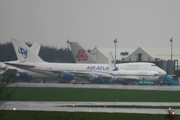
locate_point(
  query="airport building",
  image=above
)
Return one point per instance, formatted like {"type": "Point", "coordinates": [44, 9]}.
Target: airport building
{"type": "Point", "coordinates": [160, 56]}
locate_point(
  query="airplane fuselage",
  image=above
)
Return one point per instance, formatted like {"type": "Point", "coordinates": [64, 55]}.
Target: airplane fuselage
{"type": "Point", "coordinates": [136, 74]}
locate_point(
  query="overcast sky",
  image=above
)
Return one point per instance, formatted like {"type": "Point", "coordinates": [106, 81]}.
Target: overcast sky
{"type": "Point", "coordinates": [135, 23]}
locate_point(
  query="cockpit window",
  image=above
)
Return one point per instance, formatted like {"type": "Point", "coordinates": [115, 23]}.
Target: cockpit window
{"type": "Point", "coordinates": [153, 65]}
{"type": "Point", "coordinates": [156, 74]}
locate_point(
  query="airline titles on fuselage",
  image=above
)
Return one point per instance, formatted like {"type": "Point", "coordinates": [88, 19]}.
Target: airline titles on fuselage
{"type": "Point", "coordinates": [128, 68]}
{"type": "Point", "coordinates": [97, 68]}
{"type": "Point", "coordinates": [107, 68]}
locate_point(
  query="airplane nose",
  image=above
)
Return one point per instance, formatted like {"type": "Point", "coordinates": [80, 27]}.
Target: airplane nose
{"type": "Point", "coordinates": [163, 73]}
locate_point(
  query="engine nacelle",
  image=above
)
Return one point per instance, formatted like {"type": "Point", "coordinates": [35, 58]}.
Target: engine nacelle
{"type": "Point", "coordinates": [97, 78]}
{"type": "Point", "coordinates": [3, 67]}
{"type": "Point", "coordinates": [114, 79]}
{"type": "Point", "coordinates": [25, 76]}
{"type": "Point", "coordinates": [68, 76]}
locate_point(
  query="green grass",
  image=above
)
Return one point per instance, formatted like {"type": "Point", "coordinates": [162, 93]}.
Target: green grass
{"type": "Point", "coordinates": [41, 115]}
{"type": "Point", "coordinates": [83, 94]}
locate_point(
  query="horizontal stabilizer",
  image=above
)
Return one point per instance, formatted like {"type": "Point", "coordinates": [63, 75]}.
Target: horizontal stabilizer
{"type": "Point", "coordinates": [36, 48]}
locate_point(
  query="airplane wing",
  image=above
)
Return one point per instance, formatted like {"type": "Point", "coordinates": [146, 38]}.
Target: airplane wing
{"type": "Point", "coordinates": [32, 69]}
{"type": "Point", "coordinates": [3, 68]}
{"type": "Point", "coordinates": [108, 74]}
{"type": "Point", "coordinates": [92, 73]}
{"type": "Point", "coordinates": [8, 74]}
{"type": "Point", "coordinates": [23, 66]}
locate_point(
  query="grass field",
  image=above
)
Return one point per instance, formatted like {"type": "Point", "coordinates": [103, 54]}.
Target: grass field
{"type": "Point", "coordinates": [40, 115]}
{"type": "Point", "coordinates": [82, 94]}
{"type": "Point", "coordinates": [77, 94]}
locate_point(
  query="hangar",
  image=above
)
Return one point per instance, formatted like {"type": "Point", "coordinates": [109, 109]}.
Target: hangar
{"type": "Point", "coordinates": [160, 56]}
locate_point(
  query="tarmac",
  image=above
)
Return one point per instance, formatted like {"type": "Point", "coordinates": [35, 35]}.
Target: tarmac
{"type": "Point", "coordinates": [81, 107]}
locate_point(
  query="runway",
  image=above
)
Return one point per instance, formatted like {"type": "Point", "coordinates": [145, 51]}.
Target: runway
{"type": "Point", "coordinates": [98, 86]}
{"type": "Point", "coordinates": [71, 107]}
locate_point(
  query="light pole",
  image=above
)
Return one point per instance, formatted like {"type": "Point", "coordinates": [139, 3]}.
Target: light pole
{"type": "Point", "coordinates": [171, 40]}
{"type": "Point", "coordinates": [68, 50]}
{"type": "Point", "coordinates": [115, 41]}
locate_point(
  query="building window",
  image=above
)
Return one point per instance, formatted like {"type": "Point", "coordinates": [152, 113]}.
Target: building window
{"type": "Point", "coordinates": [140, 57]}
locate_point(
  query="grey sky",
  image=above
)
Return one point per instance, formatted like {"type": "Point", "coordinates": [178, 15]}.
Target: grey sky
{"type": "Point", "coordinates": [135, 23]}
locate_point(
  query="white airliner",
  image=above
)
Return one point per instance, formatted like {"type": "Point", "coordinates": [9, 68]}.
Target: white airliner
{"type": "Point", "coordinates": [6, 70]}
{"type": "Point", "coordinates": [117, 74]}
{"type": "Point", "coordinates": [34, 63]}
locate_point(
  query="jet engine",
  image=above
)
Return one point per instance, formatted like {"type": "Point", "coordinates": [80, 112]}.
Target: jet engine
{"type": "Point", "coordinates": [68, 76]}
{"type": "Point", "coordinates": [114, 79]}
{"type": "Point", "coordinates": [24, 76]}
{"type": "Point", "coordinates": [3, 68]}
{"type": "Point", "coordinates": [97, 78]}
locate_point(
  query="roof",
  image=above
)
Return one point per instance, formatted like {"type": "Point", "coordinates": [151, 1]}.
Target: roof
{"type": "Point", "coordinates": [162, 53]}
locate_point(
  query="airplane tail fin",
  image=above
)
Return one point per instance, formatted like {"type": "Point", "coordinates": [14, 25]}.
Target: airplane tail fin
{"type": "Point", "coordinates": [111, 62]}
{"type": "Point", "coordinates": [24, 53]}
{"type": "Point", "coordinates": [80, 54]}
{"type": "Point", "coordinates": [36, 48]}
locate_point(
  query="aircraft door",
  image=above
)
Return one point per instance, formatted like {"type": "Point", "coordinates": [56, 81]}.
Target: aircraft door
{"type": "Point", "coordinates": [144, 76]}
